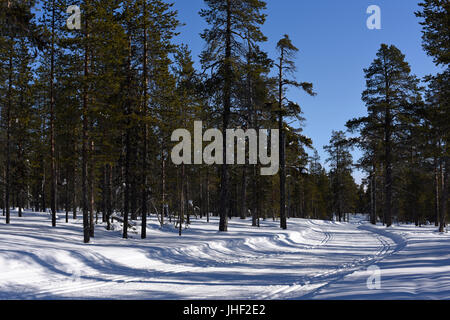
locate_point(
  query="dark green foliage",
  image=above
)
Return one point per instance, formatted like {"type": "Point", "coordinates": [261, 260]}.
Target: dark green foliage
{"type": "Point", "coordinates": [87, 119]}
{"type": "Point", "coordinates": [435, 16]}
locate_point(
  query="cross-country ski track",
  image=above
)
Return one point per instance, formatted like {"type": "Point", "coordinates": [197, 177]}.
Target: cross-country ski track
{"type": "Point", "coordinates": [313, 259]}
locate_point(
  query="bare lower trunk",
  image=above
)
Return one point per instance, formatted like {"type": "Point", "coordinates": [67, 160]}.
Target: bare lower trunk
{"type": "Point", "coordinates": [91, 191]}
{"type": "Point", "coordinates": [444, 199]}
{"type": "Point", "coordinates": [255, 198]}
{"type": "Point", "coordinates": [163, 186]}
{"type": "Point", "coordinates": [126, 199]}
{"type": "Point", "coordinates": [144, 210]}
{"type": "Point", "coordinates": [53, 183]}
{"type": "Point", "coordinates": [207, 195]}
{"type": "Point", "coordinates": [109, 208]}
{"type": "Point", "coordinates": [182, 201]}
{"type": "Point", "coordinates": [436, 192]}
{"type": "Point", "coordinates": [283, 222]}
{"type": "Point", "coordinates": [104, 194]}
{"type": "Point", "coordinates": [74, 179]}
{"type": "Point", "coordinates": [244, 193]}
{"type": "Point", "coordinates": [8, 142]}
{"type": "Point", "coordinates": [224, 197]}
{"type": "Point", "coordinates": [84, 166]}
{"type": "Point", "coordinates": [66, 187]}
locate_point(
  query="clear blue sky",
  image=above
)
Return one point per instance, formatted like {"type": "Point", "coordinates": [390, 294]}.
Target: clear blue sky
{"type": "Point", "coordinates": [335, 45]}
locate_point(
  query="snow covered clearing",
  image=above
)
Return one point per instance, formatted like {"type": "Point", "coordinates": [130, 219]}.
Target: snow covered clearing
{"type": "Point", "coordinates": [311, 260]}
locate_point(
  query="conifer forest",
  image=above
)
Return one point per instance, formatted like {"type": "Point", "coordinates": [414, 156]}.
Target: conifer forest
{"type": "Point", "coordinates": [118, 130]}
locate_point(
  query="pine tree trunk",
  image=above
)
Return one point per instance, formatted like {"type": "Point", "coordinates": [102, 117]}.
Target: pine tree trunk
{"type": "Point", "coordinates": [53, 183]}
{"type": "Point", "coordinates": [182, 201]}
{"type": "Point", "coordinates": [20, 204]}
{"type": "Point", "coordinates": [84, 165]}
{"type": "Point", "coordinates": [244, 193]}
{"type": "Point", "coordinates": [67, 194]}
{"type": "Point", "coordinates": [4, 195]}
{"type": "Point", "coordinates": [202, 204]}
{"type": "Point", "coordinates": [133, 178]}
{"type": "Point", "coordinates": [255, 197]}
{"type": "Point", "coordinates": [207, 195]}
{"type": "Point", "coordinates": [44, 202]}
{"type": "Point", "coordinates": [283, 223]}
{"type": "Point", "coordinates": [388, 161]}
{"type": "Point", "coordinates": [126, 199]}
{"type": "Point", "coordinates": [444, 199]}
{"type": "Point", "coordinates": [109, 208]}
{"type": "Point", "coordinates": [436, 192]}
{"type": "Point", "coordinates": [224, 196]}
{"type": "Point", "coordinates": [288, 209]}
{"type": "Point", "coordinates": [163, 182]}
{"type": "Point", "coordinates": [259, 211]}
{"type": "Point", "coordinates": [144, 210]}
{"type": "Point", "coordinates": [188, 204]}
{"type": "Point", "coordinates": [74, 183]}
{"type": "Point", "coordinates": [104, 194]}
{"type": "Point", "coordinates": [127, 140]}
{"type": "Point", "coordinates": [8, 140]}
{"type": "Point", "coordinates": [91, 191]}
{"type": "Point", "coordinates": [373, 211]}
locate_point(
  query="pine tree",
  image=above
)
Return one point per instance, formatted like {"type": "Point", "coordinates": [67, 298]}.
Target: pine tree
{"type": "Point", "coordinates": [341, 162]}
{"type": "Point", "coordinates": [8, 57]}
{"type": "Point", "coordinates": [370, 142]}
{"type": "Point", "coordinates": [390, 89]}
{"type": "Point", "coordinates": [49, 21]}
{"type": "Point", "coordinates": [17, 18]}
{"type": "Point", "coordinates": [435, 15]}
{"type": "Point", "coordinates": [437, 119]}
{"type": "Point", "coordinates": [144, 210]}
{"type": "Point", "coordinates": [286, 67]}
{"type": "Point", "coordinates": [24, 122]}
{"type": "Point", "coordinates": [436, 33]}
{"type": "Point", "coordinates": [189, 105]}
{"type": "Point", "coordinates": [230, 21]}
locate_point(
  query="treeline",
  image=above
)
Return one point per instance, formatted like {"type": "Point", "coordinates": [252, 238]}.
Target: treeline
{"type": "Point", "coordinates": [88, 114]}
{"type": "Point", "coordinates": [405, 135]}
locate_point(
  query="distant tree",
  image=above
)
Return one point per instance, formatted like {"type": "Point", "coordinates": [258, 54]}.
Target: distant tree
{"type": "Point", "coordinates": [341, 162]}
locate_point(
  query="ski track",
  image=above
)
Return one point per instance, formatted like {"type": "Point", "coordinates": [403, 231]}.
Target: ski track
{"type": "Point", "coordinates": [322, 280]}
{"type": "Point", "coordinates": [184, 254]}
{"type": "Point", "coordinates": [222, 254]}
{"type": "Point", "coordinates": [386, 250]}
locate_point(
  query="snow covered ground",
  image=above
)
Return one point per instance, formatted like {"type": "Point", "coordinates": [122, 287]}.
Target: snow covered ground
{"type": "Point", "coordinates": [311, 260]}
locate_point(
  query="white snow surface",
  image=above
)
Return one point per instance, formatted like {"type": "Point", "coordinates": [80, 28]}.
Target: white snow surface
{"type": "Point", "coordinates": [311, 260]}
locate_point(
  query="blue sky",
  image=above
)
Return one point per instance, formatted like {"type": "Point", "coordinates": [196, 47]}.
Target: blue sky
{"type": "Point", "coordinates": [335, 45]}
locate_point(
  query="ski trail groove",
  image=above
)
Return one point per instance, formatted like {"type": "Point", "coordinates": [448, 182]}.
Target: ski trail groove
{"type": "Point", "coordinates": [324, 279]}
{"type": "Point", "coordinates": [385, 251]}
{"type": "Point", "coordinates": [241, 251]}
{"type": "Point", "coordinates": [67, 287]}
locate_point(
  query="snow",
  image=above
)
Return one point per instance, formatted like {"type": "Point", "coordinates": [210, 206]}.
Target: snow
{"type": "Point", "coordinates": [312, 260]}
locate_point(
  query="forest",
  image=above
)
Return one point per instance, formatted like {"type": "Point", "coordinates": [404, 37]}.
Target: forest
{"type": "Point", "coordinates": [88, 112]}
